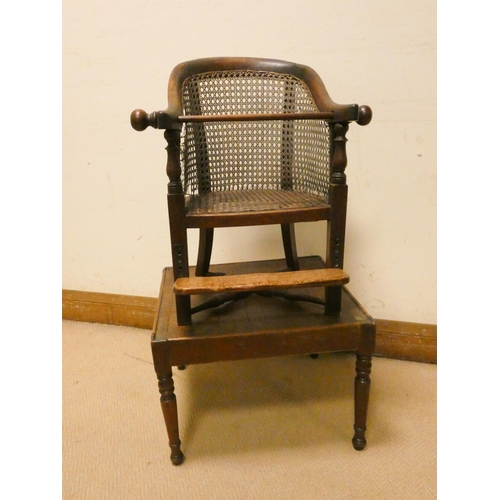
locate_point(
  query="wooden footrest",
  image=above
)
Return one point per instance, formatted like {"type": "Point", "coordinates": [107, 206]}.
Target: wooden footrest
{"type": "Point", "coordinates": [260, 281]}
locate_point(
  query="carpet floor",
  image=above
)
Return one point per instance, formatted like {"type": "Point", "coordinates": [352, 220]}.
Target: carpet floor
{"type": "Point", "coordinates": [276, 428]}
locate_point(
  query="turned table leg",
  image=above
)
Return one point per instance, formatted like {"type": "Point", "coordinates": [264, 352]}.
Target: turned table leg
{"type": "Point", "coordinates": [361, 396]}
{"type": "Point", "coordinates": [169, 408]}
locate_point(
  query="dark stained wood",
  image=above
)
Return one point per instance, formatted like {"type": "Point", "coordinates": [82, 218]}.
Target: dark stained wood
{"type": "Point", "coordinates": [290, 246]}
{"type": "Point", "coordinates": [178, 234]}
{"type": "Point", "coordinates": [349, 112]}
{"type": "Point", "coordinates": [335, 242]}
{"type": "Point", "coordinates": [169, 408]}
{"type": "Point", "coordinates": [258, 218]}
{"type": "Point", "coordinates": [253, 311]}
{"type": "Point", "coordinates": [204, 251]}
{"type": "Point", "coordinates": [257, 327]}
{"type": "Point", "coordinates": [365, 115]}
{"type": "Point", "coordinates": [401, 340]}
{"type": "Point", "coordinates": [141, 120]}
{"type": "Point", "coordinates": [361, 397]}
{"type": "Point", "coordinates": [338, 116]}
{"type": "Point", "coordinates": [168, 400]}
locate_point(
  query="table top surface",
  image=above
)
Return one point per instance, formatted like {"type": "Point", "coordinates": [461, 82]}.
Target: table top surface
{"type": "Point", "coordinates": [256, 314]}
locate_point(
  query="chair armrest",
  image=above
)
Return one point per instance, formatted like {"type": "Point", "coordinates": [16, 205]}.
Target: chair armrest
{"type": "Point", "coordinates": [141, 120]}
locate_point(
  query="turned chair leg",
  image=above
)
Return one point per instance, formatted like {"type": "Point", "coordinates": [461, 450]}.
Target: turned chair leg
{"type": "Point", "coordinates": [169, 408]}
{"type": "Point", "coordinates": [361, 396]}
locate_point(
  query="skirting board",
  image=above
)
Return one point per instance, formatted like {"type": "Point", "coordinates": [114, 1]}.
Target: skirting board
{"type": "Point", "coordinates": [395, 339]}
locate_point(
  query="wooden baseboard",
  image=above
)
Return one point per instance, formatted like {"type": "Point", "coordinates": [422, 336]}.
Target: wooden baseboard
{"type": "Point", "coordinates": [111, 309]}
{"type": "Point", "coordinates": [395, 339]}
{"type": "Point", "coordinates": [405, 340]}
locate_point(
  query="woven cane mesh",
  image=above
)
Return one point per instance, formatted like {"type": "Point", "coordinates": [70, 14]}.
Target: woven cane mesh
{"type": "Point", "coordinates": [267, 156]}
{"type": "Point", "coordinates": [250, 200]}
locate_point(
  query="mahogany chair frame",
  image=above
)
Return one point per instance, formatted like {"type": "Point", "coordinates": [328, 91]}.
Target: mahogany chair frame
{"type": "Point", "coordinates": [350, 332]}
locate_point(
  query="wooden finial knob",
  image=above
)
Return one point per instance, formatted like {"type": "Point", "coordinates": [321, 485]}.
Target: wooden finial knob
{"type": "Point", "coordinates": [140, 120]}
{"type": "Point", "coordinates": [365, 115]}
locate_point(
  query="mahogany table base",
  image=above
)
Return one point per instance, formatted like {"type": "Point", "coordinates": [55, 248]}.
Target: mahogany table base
{"type": "Point", "coordinates": [258, 327]}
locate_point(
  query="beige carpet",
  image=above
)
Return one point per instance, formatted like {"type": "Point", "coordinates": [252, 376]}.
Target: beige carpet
{"type": "Point", "coordinates": [277, 428]}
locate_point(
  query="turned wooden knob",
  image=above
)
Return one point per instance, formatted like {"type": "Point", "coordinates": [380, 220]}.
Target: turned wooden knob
{"type": "Point", "coordinates": [140, 120]}
{"type": "Point", "coordinates": [365, 115]}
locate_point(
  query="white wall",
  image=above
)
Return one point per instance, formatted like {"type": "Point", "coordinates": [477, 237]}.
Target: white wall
{"type": "Point", "coordinates": [117, 56]}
